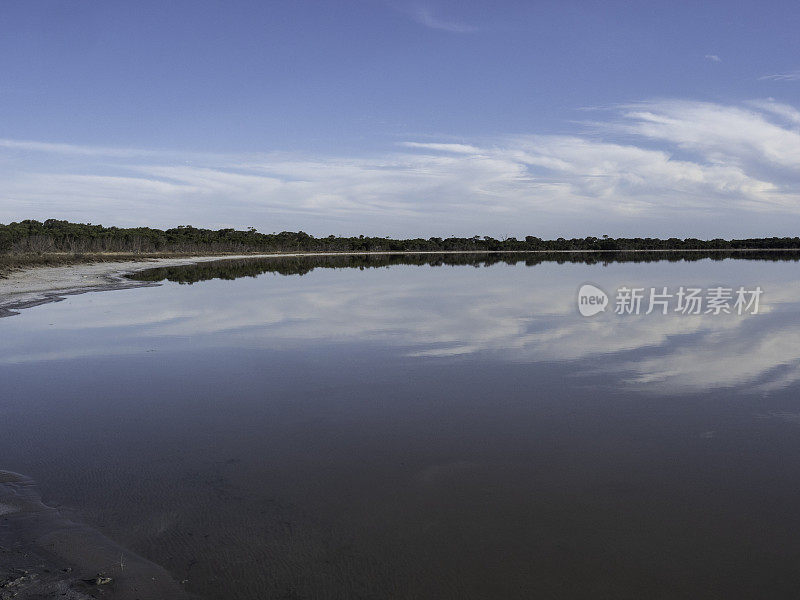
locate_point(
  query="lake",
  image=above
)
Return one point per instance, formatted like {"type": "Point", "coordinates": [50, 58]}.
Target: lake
{"type": "Point", "coordinates": [401, 427]}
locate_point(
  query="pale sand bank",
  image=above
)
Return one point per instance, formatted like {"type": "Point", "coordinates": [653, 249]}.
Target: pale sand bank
{"type": "Point", "coordinates": [31, 287]}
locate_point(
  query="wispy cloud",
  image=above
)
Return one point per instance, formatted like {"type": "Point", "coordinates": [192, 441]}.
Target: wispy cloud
{"type": "Point", "coordinates": [713, 58]}
{"type": "Point", "coordinates": [454, 148]}
{"type": "Point", "coordinates": [425, 16]}
{"type": "Point", "coordinates": [785, 111]}
{"type": "Point", "coordinates": [733, 136]}
{"type": "Point", "coordinates": [32, 146]}
{"type": "Point", "coordinates": [787, 76]}
{"type": "Point", "coordinates": [666, 166]}
{"type": "Point", "coordinates": [88, 151]}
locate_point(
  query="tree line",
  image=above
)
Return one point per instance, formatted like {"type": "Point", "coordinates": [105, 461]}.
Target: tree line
{"type": "Point", "coordinates": [53, 235]}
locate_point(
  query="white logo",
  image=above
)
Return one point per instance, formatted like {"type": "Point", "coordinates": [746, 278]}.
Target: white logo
{"type": "Point", "coordinates": [591, 300]}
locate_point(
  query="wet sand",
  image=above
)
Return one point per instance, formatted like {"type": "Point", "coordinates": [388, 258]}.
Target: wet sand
{"type": "Point", "coordinates": [44, 554]}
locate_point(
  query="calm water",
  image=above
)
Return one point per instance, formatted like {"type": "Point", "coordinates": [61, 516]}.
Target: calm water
{"type": "Point", "coordinates": [421, 431]}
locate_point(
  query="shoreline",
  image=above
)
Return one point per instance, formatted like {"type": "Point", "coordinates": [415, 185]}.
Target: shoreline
{"type": "Point", "coordinates": [35, 285]}
{"type": "Point", "coordinates": [40, 284]}
{"type": "Point", "coordinates": [46, 554]}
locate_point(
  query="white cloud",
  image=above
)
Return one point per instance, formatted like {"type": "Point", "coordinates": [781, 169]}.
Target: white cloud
{"type": "Point", "coordinates": [718, 134]}
{"type": "Point", "coordinates": [650, 169]}
{"type": "Point", "coordinates": [424, 16]}
{"type": "Point", "coordinates": [713, 58]}
{"type": "Point", "coordinates": [785, 111]}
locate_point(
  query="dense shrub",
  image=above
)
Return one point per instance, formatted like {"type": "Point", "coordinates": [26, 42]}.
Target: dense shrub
{"type": "Point", "coordinates": [62, 236]}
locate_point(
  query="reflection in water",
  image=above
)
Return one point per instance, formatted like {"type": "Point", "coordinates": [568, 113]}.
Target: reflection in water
{"type": "Point", "coordinates": [300, 265]}
{"type": "Point", "coordinates": [471, 313]}
{"type": "Point", "coordinates": [421, 432]}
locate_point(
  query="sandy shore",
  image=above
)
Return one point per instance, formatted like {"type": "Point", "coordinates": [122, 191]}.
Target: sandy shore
{"type": "Point", "coordinates": [31, 287]}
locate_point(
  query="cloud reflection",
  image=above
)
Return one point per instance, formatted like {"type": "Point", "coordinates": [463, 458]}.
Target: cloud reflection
{"type": "Point", "coordinates": [509, 313]}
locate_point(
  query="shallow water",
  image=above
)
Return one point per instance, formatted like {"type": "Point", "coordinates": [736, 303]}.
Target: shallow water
{"type": "Point", "coordinates": [418, 431]}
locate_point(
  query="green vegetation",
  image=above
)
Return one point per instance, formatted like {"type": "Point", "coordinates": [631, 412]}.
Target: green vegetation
{"type": "Point", "coordinates": [53, 242]}
{"type": "Point", "coordinates": [54, 236]}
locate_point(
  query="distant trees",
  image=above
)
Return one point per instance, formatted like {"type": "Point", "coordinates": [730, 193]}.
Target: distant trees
{"type": "Point", "coordinates": [54, 235]}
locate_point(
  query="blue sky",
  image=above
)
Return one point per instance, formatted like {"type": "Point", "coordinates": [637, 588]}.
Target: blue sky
{"type": "Point", "coordinates": [400, 118]}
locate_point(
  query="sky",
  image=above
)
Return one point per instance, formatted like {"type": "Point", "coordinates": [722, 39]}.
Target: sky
{"type": "Point", "coordinates": [404, 119]}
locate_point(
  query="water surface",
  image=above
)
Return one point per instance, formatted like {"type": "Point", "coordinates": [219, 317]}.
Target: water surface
{"type": "Point", "coordinates": [422, 430]}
